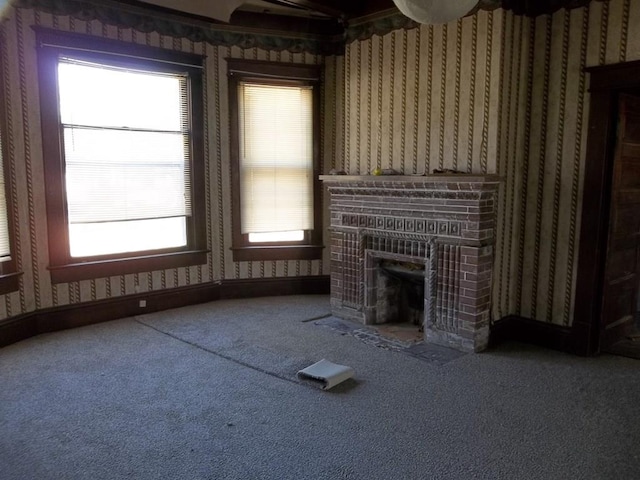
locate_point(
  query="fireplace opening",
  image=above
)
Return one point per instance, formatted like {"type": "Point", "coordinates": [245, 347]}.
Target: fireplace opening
{"type": "Point", "coordinates": [400, 299]}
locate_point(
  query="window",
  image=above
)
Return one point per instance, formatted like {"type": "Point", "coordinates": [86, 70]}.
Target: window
{"type": "Point", "coordinates": [122, 138]}
{"type": "Point", "coordinates": [9, 277]}
{"type": "Point", "coordinates": [275, 164]}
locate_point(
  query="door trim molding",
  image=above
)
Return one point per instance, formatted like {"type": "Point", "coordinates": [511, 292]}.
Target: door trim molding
{"type": "Point", "coordinates": [607, 82]}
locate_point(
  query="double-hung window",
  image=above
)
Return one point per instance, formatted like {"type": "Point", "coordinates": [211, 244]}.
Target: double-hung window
{"type": "Point", "coordinates": [9, 277]}
{"type": "Point", "coordinates": [122, 128]}
{"type": "Point", "coordinates": [274, 135]}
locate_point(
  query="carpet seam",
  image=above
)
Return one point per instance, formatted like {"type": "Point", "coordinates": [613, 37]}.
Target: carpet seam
{"type": "Point", "coordinates": [218, 354]}
{"type": "Point", "coordinates": [326, 315]}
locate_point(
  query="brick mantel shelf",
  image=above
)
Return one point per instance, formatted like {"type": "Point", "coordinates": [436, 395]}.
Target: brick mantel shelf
{"type": "Point", "coordinates": [442, 222]}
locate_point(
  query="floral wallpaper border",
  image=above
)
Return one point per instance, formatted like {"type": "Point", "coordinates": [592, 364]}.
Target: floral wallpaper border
{"type": "Point", "coordinates": [128, 16]}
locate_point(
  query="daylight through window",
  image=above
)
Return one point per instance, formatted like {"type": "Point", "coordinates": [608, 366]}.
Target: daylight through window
{"type": "Point", "coordinates": [276, 164]}
{"type": "Point", "coordinates": [123, 151]}
{"type": "Point", "coordinates": [275, 160]}
{"type": "Point", "coordinates": [5, 245]}
{"type": "Point", "coordinates": [126, 149]}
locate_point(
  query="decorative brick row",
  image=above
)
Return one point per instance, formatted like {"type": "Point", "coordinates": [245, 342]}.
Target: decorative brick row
{"type": "Point", "coordinates": [401, 224]}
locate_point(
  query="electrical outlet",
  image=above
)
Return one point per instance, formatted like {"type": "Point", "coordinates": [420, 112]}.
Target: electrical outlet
{"type": "Point", "coordinates": [142, 304]}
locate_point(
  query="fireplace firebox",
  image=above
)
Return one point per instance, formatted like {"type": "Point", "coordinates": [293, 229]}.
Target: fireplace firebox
{"type": "Point", "coordinates": [400, 293]}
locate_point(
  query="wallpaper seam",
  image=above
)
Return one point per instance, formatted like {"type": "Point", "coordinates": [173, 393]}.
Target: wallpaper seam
{"type": "Point", "coordinates": [542, 158]}
{"type": "Point", "coordinates": [624, 30]}
{"type": "Point", "coordinates": [392, 90]}
{"type": "Point", "coordinates": [346, 140]}
{"type": "Point", "coordinates": [512, 177]}
{"type": "Point", "coordinates": [429, 97]}
{"type": "Point", "coordinates": [26, 136]}
{"type": "Point", "coordinates": [604, 24]}
{"type": "Point", "coordinates": [577, 160]}
{"type": "Point", "coordinates": [10, 142]}
{"type": "Point", "coordinates": [334, 114]}
{"type": "Point", "coordinates": [380, 63]}
{"type": "Point", "coordinates": [525, 166]}
{"type": "Point", "coordinates": [207, 166]}
{"type": "Point", "coordinates": [358, 100]}
{"type": "Point", "coordinates": [403, 103]}
{"type": "Point", "coordinates": [218, 141]}
{"type": "Point", "coordinates": [443, 98]}
{"type": "Point", "coordinates": [472, 92]}
{"type": "Point", "coordinates": [503, 157]}
{"type": "Point", "coordinates": [484, 150]}
{"type": "Point", "coordinates": [94, 291]}
{"type": "Point", "coordinates": [323, 112]}
{"type": "Point", "coordinates": [369, 99]}
{"type": "Point", "coordinates": [416, 95]}
{"type": "Point", "coordinates": [456, 96]}
{"type": "Point", "coordinates": [236, 265]}
{"type": "Point", "coordinates": [558, 166]}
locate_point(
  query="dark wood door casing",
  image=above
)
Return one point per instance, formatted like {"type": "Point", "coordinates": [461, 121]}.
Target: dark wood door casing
{"type": "Point", "coordinates": [607, 84]}
{"type": "Point", "coordinates": [622, 265]}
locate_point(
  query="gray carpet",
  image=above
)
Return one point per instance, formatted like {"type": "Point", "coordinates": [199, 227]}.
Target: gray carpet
{"type": "Point", "coordinates": [209, 392]}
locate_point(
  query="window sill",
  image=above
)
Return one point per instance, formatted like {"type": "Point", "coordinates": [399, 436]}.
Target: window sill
{"type": "Point", "coordinates": [105, 268]}
{"type": "Point", "coordinates": [277, 252]}
{"type": "Point", "coordinates": [9, 282]}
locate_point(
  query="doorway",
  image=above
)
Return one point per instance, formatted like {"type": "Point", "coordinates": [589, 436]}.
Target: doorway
{"type": "Point", "coordinates": [608, 279]}
{"type": "Point", "coordinates": [619, 333]}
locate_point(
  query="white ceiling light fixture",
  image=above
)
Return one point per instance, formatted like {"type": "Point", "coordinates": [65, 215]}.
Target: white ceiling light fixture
{"type": "Point", "coordinates": [433, 12]}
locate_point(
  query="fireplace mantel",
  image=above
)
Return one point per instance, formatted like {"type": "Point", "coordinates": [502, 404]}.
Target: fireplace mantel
{"type": "Point", "coordinates": [421, 179]}
{"type": "Point", "coordinates": [444, 222]}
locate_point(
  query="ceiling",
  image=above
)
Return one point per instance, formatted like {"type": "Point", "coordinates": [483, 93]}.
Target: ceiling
{"type": "Point", "coordinates": [329, 11]}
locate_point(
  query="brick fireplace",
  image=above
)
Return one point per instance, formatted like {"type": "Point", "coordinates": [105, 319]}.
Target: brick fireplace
{"type": "Point", "coordinates": [441, 226]}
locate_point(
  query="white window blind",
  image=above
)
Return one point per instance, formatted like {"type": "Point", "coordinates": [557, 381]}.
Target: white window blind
{"type": "Point", "coordinates": [276, 158]}
{"type": "Point", "coordinates": [126, 148]}
{"type": "Point", "coordinates": [5, 251]}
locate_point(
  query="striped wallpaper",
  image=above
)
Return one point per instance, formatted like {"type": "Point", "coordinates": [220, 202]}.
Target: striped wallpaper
{"type": "Point", "coordinates": [542, 156]}
{"type": "Point", "coordinates": [17, 45]}
{"type": "Point", "coordinates": [493, 93]}
{"type": "Point", "coordinates": [490, 93]}
{"type": "Point", "coordinates": [423, 98]}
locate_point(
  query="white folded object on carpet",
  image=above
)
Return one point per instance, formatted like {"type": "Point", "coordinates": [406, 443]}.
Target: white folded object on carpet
{"type": "Point", "coordinates": [325, 374]}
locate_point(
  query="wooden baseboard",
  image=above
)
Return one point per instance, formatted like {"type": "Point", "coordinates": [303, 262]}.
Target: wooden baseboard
{"type": "Point", "coordinates": [17, 328]}
{"type": "Point", "coordinates": [269, 287]}
{"type": "Point", "coordinates": [520, 329]}
{"type": "Point", "coordinates": [70, 316]}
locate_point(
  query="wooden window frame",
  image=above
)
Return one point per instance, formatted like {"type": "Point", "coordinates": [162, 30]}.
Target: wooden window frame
{"type": "Point", "coordinates": [285, 74]}
{"type": "Point", "coordinates": [9, 274]}
{"type": "Point", "coordinates": [63, 267]}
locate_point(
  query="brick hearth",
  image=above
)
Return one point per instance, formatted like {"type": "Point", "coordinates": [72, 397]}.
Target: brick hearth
{"type": "Point", "coordinates": [444, 223]}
